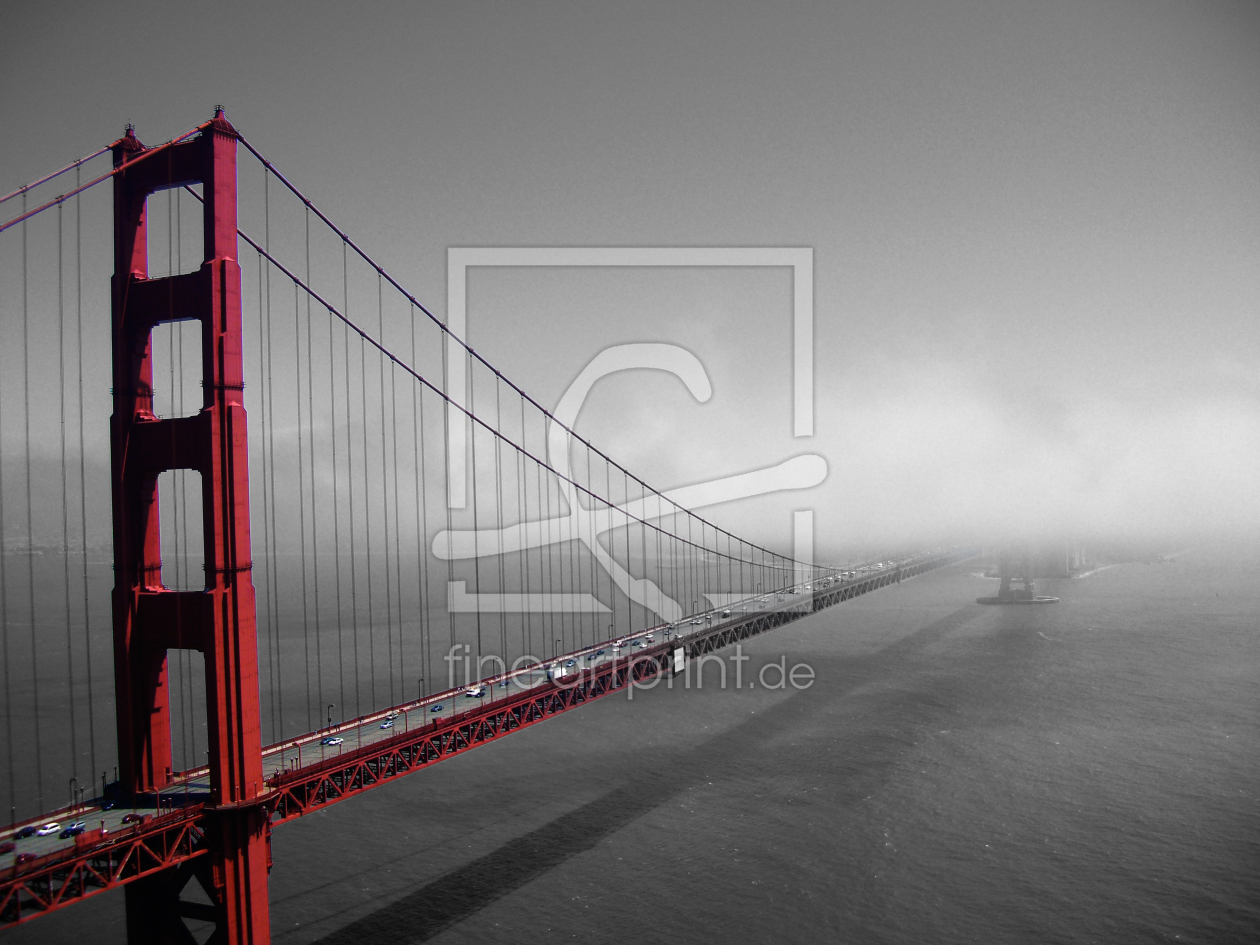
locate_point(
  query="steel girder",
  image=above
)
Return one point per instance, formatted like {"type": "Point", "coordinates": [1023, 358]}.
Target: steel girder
{"type": "Point", "coordinates": [62, 878]}
{"type": "Point", "coordinates": [297, 792]}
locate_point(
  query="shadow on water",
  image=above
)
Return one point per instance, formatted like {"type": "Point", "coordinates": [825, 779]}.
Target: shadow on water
{"type": "Point", "coordinates": [443, 903]}
{"type": "Point", "coordinates": [437, 906]}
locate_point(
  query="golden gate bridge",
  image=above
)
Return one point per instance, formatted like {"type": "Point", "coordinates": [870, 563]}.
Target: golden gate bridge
{"type": "Point", "coordinates": [280, 630]}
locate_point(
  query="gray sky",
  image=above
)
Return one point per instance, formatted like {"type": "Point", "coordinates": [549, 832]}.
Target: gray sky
{"type": "Point", "coordinates": [1036, 226]}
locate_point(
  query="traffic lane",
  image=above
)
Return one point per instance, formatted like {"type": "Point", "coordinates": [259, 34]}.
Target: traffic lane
{"type": "Point", "coordinates": [311, 750]}
{"type": "Point", "coordinates": [94, 817]}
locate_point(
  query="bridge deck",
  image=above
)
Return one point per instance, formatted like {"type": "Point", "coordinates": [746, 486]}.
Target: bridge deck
{"type": "Point", "coordinates": [304, 775]}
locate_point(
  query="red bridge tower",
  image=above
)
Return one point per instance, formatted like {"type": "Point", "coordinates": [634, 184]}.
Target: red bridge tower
{"type": "Point", "coordinates": [219, 620]}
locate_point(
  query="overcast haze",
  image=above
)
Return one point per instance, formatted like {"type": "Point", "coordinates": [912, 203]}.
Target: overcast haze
{"type": "Point", "coordinates": [1036, 227]}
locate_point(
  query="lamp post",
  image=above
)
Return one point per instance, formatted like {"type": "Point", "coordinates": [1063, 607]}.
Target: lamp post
{"type": "Point", "coordinates": [330, 708]}
{"type": "Point", "coordinates": [420, 689]}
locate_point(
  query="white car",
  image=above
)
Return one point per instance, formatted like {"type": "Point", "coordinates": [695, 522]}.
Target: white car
{"type": "Point", "coordinates": [48, 829]}
{"type": "Point", "coordinates": [474, 692]}
{"type": "Point", "coordinates": [332, 740]}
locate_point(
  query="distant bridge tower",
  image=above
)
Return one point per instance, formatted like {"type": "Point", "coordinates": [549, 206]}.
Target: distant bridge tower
{"type": "Point", "coordinates": [1016, 566]}
{"type": "Point", "coordinates": [219, 620]}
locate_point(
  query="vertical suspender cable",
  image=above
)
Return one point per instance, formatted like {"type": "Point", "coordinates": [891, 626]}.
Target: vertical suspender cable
{"type": "Point", "coordinates": [446, 488]}
{"type": "Point", "coordinates": [422, 527]}
{"type": "Point", "coordinates": [297, 376]}
{"type": "Point", "coordinates": [30, 533]}
{"type": "Point", "coordinates": [527, 624]}
{"type": "Point", "coordinates": [660, 536]}
{"type": "Point", "coordinates": [310, 449]}
{"type": "Point", "coordinates": [498, 497]}
{"type": "Point", "coordinates": [266, 557]}
{"type": "Point", "coordinates": [562, 545]}
{"type": "Point", "coordinates": [389, 603]}
{"type": "Point", "coordinates": [643, 533]}
{"type": "Point", "coordinates": [269, 395]}
{"type": "Point", "coordinates": [730, 567]}
{"type": "Point", "coordinates": [612, 531]}
{"type": "Point", "coordinates": [367, 522]}
{"type": "Point", "coordinates": [393, 415]}
{"type": "Point", "coordinates": [273, 592]}
{"type": "Point", "coordinates": [548, 581]}
{"type": "Point", "coordinates": [625, 491]}
{"type": "Point", "coordinates": [87, 619]}
{"type": "Point", "coordinates": [575, 569]}
{"type": "Point", "coordinates": [472, 403]}
{"type": "Point", "coordinates": [592, 512]}
{"type": "Point", "coordinates": [354, 595]}
{"type": "Point", "coordinates": [332, 430]}
{"type": "Point", "coordinates": [65, 504]}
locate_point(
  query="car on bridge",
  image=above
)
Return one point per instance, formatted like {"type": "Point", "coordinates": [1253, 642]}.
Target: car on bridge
{"type": "Point", "coordinates": [332, 740]}
{"type": "Point", "coordinates": [388, 723]}
{"type": "Point", "coordinates": [134, 818]}
{"type": "Point", "coordinates": [474, 692]}
{"type": "Point", "coordinates": [7, 847]}
{"type": "Point", "coordinates": [48, 829]}
{"type": "Point", "coordinates": [73, 830]}
{"type": "Point", "coordinates": [27, 831]}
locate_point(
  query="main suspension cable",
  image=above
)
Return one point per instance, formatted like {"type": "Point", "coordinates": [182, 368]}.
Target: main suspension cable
{"type": "Point", "coordinates": [442, 326]}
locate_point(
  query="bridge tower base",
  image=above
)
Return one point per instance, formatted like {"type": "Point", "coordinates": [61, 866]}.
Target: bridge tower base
{"type": "Point", "coordinates": [1012, 568]}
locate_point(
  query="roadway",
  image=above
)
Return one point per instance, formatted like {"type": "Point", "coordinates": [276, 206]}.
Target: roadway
{"type": "Point", "coordinates": [193, 787]}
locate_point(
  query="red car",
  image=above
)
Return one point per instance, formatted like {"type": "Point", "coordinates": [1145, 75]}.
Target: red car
{"type": "Point", "coordinates": [8, 846]}
{"type": "Point", "coordinates": [24, 858]}
{"type": "Point", "coordinates": [135, 818]}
